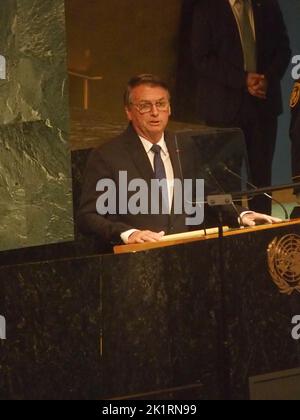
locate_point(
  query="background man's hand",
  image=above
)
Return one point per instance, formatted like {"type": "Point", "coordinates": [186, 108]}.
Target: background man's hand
{"type": "Point", "coordinates": [142, 236]}
{"type": "Point", "coordinates": [257, 85]}
{"type": "Point", "coordinates": [253, 219]}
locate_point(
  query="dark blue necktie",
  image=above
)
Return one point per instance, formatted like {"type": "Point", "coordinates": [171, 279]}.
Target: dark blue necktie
{"type": "Point", "coordinates": [159, 167]}
{"type": "Point", "coordinates": [160, 173]}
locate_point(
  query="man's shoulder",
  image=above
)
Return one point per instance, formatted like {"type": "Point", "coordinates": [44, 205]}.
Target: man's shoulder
{"type": "Point", "coordinates": [108, 154]}
{"type": "Point", "coordinates": [269, 6]}
{"type": "Point", "coordinates": [112, 144]}
{"type": "Point", "coordinates": [209, 5]}
{"type": "Point", "coordinates": [270, 3]}
{"type": "Point", "coordinates": [116, 144]}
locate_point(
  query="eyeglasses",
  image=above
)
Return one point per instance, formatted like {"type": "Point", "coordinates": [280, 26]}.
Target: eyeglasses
{"type": "Point", "coordinates": [144, 107]}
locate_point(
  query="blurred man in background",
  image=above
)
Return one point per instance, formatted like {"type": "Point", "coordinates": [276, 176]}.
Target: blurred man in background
{"type": "Point", "coordinates": [240, 52]}
{"type": "Point", "coordinates": [295, 139]}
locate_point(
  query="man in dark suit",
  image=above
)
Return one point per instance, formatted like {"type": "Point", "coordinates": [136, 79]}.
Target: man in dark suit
{"type": "Point", "coordinates": [145, 151]}
{"type": "Point", "coordinates": [240, 51]}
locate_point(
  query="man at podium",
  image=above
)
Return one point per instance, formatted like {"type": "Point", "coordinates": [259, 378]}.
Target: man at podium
{"type": "Point", "coordinates": [145, 151]}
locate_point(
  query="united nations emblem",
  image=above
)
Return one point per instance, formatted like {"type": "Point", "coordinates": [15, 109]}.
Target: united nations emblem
{"type": "Point", "coordinates": [295, 96]}
{"type": "Point", "coordinates": [284, 263]}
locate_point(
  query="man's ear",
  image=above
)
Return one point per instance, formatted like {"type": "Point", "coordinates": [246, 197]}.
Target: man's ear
{"type": "Point", "coordinates": [128, 113]}
{"type": "Point", "coordinates": [170, 110]}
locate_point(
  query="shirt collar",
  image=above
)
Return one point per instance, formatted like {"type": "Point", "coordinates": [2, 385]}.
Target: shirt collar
{"type": "Point", "coordinates": [148, 145]}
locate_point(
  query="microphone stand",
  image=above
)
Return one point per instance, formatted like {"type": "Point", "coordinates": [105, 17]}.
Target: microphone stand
{"type": "Point", "coordinates": [223, 343]}
{"type": "Point", "coordinates": [219, 201]}
{"type": "Point", "coordinates": [258, 191]}
{"type": "Point", "coordinates": [178, 151]}
{"type": "Point", "coordinates": [223, 340]}
{"type": "Point", "coordinates": [255, 187]}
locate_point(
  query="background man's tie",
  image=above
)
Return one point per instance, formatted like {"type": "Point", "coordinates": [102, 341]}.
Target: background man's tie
{"type": "Point", "coordinates": [247, 35]}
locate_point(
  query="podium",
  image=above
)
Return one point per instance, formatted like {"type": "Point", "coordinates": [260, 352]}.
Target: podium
{"type": "Point", "coordinates": [149, 322]}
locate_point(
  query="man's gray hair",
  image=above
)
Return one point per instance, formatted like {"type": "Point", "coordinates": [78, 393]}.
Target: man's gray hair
{"type": "Point", "coordinates": [143, 79]}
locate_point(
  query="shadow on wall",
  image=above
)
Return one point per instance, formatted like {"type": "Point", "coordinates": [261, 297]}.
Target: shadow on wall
{"type": "Point", "coordinates": [117, 39]}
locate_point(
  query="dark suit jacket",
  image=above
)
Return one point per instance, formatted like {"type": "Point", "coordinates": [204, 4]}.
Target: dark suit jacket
{"type": "Point", "coordinates": [126, 153]}
{"type": "Point", "coordinates": [295, 132]}
{"type": "Point", "coordinates": [218, 59]}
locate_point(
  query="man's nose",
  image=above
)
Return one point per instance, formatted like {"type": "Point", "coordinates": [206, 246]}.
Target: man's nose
{"type": "Point", "coordinates": [154, 110]}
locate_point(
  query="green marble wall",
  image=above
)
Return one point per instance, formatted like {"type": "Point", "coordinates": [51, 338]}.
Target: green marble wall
{"type": "Point", "coordinates": [117, 39]}
{"type": "Point", "coordinates": [35, 171]}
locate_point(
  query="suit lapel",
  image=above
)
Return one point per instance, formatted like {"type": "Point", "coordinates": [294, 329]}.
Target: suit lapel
{"type": "Point", "coordinates": [257, 15]}
{"type": "Point", "coordinates": [227, 15]}
{"type": "Point", "coordinates": [140, 158]}
{"type": "Point", "coordinates": [137, 152]}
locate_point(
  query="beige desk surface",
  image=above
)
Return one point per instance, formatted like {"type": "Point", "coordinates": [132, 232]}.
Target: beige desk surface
{"type": "Point", "coordinates": [125, 249]}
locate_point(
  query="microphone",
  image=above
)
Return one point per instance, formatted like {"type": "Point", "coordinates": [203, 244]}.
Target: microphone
{"type": "Point", "coordinates": [225, 168]}
{"type": "Point", "coordinates": [178, 151]}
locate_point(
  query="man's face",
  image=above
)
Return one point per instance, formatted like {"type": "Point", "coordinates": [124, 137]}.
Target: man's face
{"type": "Point", "coordinates": [149, 111]}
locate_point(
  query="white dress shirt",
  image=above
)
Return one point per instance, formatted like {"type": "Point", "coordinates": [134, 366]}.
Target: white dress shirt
{"type": "Point", "coordinates": [169, 174]}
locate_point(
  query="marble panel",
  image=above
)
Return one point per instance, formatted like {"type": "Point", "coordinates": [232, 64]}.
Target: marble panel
{"type": "Point", "coordinates": [35, 164]}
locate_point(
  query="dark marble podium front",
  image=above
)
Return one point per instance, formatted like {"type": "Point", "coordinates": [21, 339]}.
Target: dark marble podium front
{"type": "Point", "coordinates": [108, 326]}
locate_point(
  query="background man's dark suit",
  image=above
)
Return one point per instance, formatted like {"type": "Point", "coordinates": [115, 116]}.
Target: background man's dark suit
{"type": "Point", "coordinates": [295, 132]}
{"type": "Point", "coordinates": [126, 153]}
{"type": "Point", "coordinates": [222, 96]}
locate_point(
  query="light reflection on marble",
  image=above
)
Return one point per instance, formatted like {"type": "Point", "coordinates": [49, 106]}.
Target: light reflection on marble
{"type": "Point", "coordinates": [35, 165]}
{"type": "Point", "coordinates": [35, 190]}
{"type": "Point", "coordinates": [93, 128]}
{"type": "Point", "coordinates": [32, 38]}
